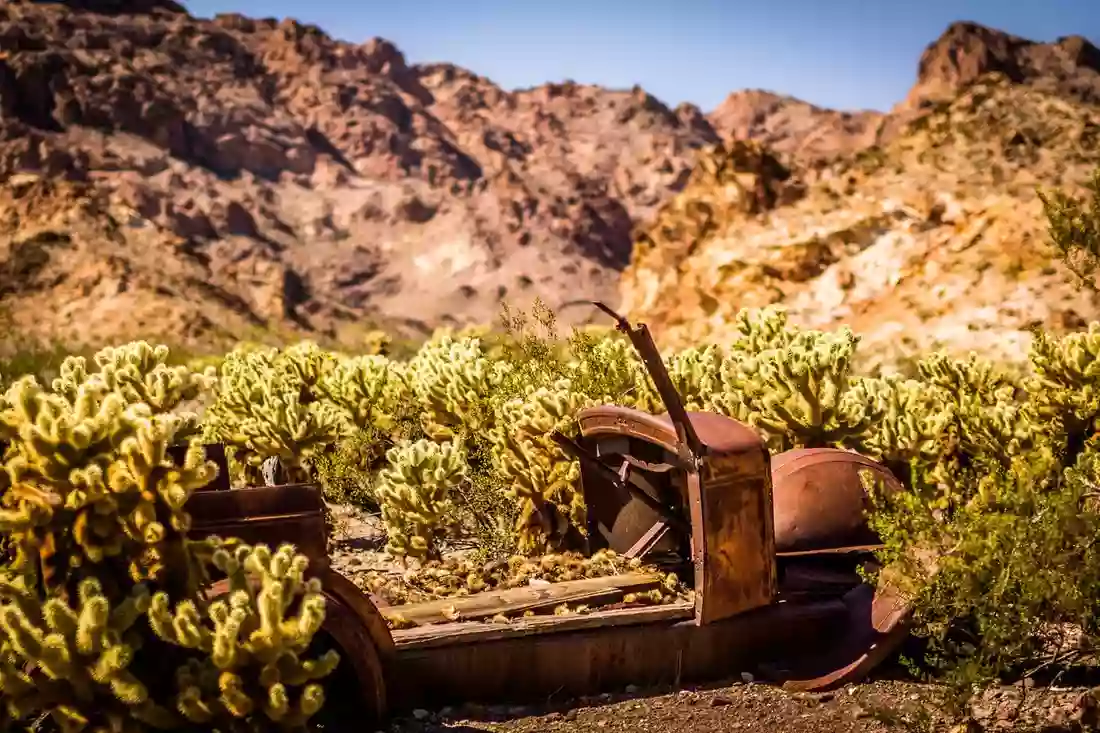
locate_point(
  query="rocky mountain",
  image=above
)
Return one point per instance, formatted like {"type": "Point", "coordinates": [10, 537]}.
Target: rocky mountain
{"type": "Point", "coordinates": [932, 236]}
{"type": "Point", "coordinates": [793, 128]}
{"type": "Point", "coordinates": [207, 180]}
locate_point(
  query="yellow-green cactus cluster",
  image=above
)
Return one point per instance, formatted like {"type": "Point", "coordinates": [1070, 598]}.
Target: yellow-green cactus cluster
{"type": "Point", "coordinates": [761, 329]}
{"type": "Point", "coordinates": [1065, 381]}
{"type": "Point", "coordinates": [908, 422]}
{"type": "Point", "coordinates": [373, 394]}
{"type": "Point", "coordinates": [608, 370]}
{"type": "Point", "coordinates": [453, 380]}
{"type": "Point", "coordinates": [95, 510]}
{"type": "Point", "coordinates": [326, 417]}
{"type": "Point", "coordinates": [978, 423]}
{"type": "Point", "coordinates": [87, 479]}
{"type": "Point", "coordinates": [370, 389]}
{"type": "Point", "coordinates": [540, 477]}
{"type": "Point", "coordinates": [266, 405]}
{"type": "Point", "coordinates": [137, 372]}
{"type": "Point", "coordinates": [69, 661]}
{"type": "Point", "coordinates": [251, 647]}
{"type": "Point", "coordinates": [801, 394]}
{"type": "Point", "coordinates": [416, 493]}
{"type": "Point", "coordinates": [695, 373]}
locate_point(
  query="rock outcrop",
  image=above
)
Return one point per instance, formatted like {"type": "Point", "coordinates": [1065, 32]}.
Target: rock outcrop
{"type": "Point", "coordinates": [932, 238]}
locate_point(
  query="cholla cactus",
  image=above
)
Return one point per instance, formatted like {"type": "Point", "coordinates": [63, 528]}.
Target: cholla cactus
{"type": "Point", "coordinates": [266, 405]}
{"type": "Point", "coordinates": [762, 329]}
{"type": "Point", "coordinates": [802, 394]}
{"type": "Point", "coordinates": [373, 394]}
{"type": "Point", "coordinates": [907, 425]}
{"type": "Point", "coordinates": [95, 510]}
{"type": "Point", "coordinates": [369, 388]}
{"type": "Point", "coordinates": [415, 491]}
{"type": "Point", "coordinates": [251, 648]}
{"type": "Point", "coordinates": [977, 424]}
{"type": "Point", "coordinates": [1065, 386]}
{"type": "Point", "coordinates": [454, 379]}
{"type": "Point", "coordinates": [139, 372]}
{"type": "Point", "coordinates": [608, 370]}
{"type": "Point", "coordinates": [541, 477]}
{"type": "Point", "coordinates": [696, 375]}
{"type": "Point", "coordinates": [67, 662]}
{"type": "Point", "coordinates": [88, 478]}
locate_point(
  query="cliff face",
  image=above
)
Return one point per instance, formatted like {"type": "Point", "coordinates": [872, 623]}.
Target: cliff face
{"type": "Point", "coordinates": [933, 237]}
{"type": "Point", "coordinates": [207, 180]}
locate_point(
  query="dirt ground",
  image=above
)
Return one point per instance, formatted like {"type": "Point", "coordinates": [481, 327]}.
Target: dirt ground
{"type": "Point", "coordinates": [746, 708]}
{"type": "Point", "coordinates": [877, 706]}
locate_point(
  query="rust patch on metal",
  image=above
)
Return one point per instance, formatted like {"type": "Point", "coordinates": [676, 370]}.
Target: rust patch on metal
{"type": "Point", "coordinates": [735, 555]}
{"type": "Point", "coordinates": [820, 502]}
{"type": "Point", "coordinates": [268, 514]}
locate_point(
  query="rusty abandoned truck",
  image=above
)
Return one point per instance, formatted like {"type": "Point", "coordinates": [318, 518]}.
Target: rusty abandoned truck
{"type": "Point", "coordinates": [770, 545]}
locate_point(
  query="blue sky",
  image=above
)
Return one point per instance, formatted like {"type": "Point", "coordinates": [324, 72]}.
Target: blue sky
{"type": "Point", "coordinates": [847, 54]}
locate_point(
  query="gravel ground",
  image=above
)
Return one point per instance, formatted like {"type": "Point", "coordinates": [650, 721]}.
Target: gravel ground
{"type": "Point", "coordinates": [747, 708]}
{"type": "Point", "coordinates": [876, 706]}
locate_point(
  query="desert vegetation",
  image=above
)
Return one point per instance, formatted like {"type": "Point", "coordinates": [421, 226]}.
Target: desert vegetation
{"type": "Point", "coordinates": [104, 625]}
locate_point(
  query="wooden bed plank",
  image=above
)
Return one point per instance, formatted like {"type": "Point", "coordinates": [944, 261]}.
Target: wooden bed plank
{"type": "Point", "coordinates": [518, 600]}
{"type": "Point", "coordinates": [470, 632]}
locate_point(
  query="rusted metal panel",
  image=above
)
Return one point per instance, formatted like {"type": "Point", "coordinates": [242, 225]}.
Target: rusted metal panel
{"type": "Point", "coordinates": [214, 452]}
{"type": "Point", "coordinates": [268, 514]}
{"type": "Point", "coordinates": [540, 666]}
{"type": "Point", "coordinates": [729, 503]}
{"type": "Point", "coordinates": [735, 554]}
{"type": "Point", "coordinates": [820, 502]}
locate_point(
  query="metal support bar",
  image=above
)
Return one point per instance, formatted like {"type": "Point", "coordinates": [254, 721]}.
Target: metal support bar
{"type": "Point", "coordinates": [691, 449]}
{"type": "Point", "coordinates": [648, 541]}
